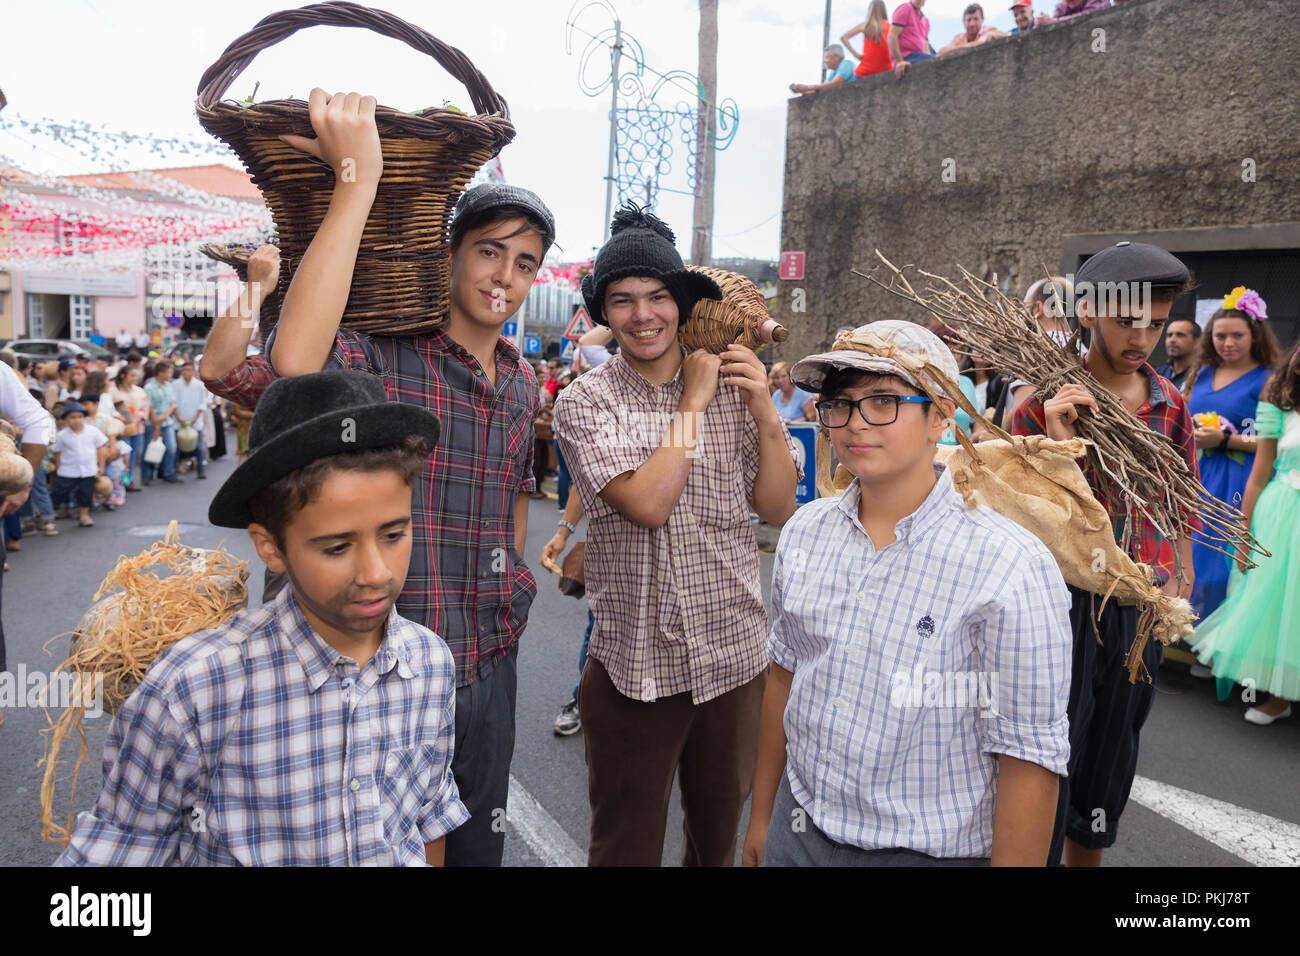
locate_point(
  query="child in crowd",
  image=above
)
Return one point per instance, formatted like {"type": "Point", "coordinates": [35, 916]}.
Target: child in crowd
{"type": "Point", "coordinates": [316, 730]}
{"type": "Point", "coordinates": [80, 456]}
{"type": "Point", "coordinates": [914, 713]}
{"type": "Point", "coordinates": [1107, 711]}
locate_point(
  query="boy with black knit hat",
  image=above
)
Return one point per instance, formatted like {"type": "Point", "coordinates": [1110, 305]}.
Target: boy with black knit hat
{"type": "Point", "coordinates": [668, 452]}
{"type": "Point", "coordinates": [468, 580]}
{"type": "Point", "coordinates": [317, 730]}
{"type": "Point", "coordinates": [1123, 294]}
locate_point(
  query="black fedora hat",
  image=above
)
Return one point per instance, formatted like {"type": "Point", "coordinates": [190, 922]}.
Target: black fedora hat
{"type": "Point", "coordinates": [302, 419]}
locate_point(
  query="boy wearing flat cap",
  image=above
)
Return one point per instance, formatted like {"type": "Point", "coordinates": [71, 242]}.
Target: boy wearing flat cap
{"type": "Point", "coordinates": [468, 580]}
{"type": "Point", "coordinates": [1106, 710]}
{"type": "Point", "coordinates": [668, 453]}
{"type": "Point", "coordinates": [316, 730]}
{"type": "Point", "coordinates": [915, 707]}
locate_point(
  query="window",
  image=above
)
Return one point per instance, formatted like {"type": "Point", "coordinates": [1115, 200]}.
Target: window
{"type": "Point", "coordinates": [81, 309]}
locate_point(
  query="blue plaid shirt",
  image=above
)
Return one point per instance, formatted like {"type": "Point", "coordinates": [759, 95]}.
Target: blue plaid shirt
{"type": "Point", "coordinates": [258, 744]}
{"type": "Point", "coordinates": [913, 665]}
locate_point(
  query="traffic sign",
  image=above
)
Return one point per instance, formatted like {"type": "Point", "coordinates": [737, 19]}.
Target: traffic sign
{"type": "Point", "coordinates": [510, 329]}
{"type": "Point", "coordinates": [580, 325]}
{"type": "Point", "coordinates": [568, 351]}
{"type": "Point", "coordinates": [805, 443]}
{"type": "Point", "coordinates": [791, 266]}
{"type": "Point", "coordinates": [533, 345]}
{"type": "Point", "coordinates": [175, 321]}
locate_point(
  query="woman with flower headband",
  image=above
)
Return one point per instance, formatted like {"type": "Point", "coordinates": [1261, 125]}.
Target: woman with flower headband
{"type": "Point", "coordinates": [1237, 353]}
{"type": "Point", "coordinates": [1254, 637]}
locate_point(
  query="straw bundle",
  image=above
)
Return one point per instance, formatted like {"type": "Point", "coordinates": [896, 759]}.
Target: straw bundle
{"type": "Point", "coordinates": [1135, 467]}
{"type": "Point", "coordinates": [15, 470]}
{"type": "Point", "coordinates": [161, 595]}
{"type": "Point", "coordinates": [1036, 483]}
{"type": "Point", "coordinates": [739, 316]}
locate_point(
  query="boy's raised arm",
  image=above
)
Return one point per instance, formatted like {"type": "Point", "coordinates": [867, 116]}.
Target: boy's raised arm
{"type": "Point", "coordinates": [348, 140]}
{"type": "Point", "coordinates": [227, 343]}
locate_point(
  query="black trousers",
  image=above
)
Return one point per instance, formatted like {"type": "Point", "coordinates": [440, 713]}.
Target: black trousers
{"type": "Point", "coordinates": [1106, 716]}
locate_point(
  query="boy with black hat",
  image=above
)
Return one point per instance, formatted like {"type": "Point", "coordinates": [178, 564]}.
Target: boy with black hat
{"type": "Point", "coordinates": [1123, 295]}
{"type": "Point", "coordinates": [668, 453]}
{"type": "Point", "coordinates": [468, 579]}
{"type": "Point", "coordinates": [317, 730]}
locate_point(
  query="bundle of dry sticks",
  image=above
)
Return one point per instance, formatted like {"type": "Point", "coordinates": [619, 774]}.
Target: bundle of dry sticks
{"type": "Point", "coordinates": [1133, 464]}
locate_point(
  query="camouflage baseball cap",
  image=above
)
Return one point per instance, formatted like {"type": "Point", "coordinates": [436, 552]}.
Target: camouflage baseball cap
{"type": "Point", "coordinates": [886, 338]}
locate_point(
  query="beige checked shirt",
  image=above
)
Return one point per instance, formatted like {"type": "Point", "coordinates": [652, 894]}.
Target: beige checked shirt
{"type": "Point", "coordinates": [677, 608]}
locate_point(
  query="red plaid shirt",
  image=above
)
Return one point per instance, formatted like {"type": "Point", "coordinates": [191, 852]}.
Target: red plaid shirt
{"type": "Point", "coordinates": [466, 581]}
{"type": "Point", "coordinates": [1164, 412]}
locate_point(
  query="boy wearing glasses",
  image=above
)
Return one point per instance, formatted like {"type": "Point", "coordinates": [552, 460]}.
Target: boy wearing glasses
{"type": "Point", "coordinates": [914, 713]}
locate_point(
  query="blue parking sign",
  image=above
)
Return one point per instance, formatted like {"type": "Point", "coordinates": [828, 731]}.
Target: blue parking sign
{"type": "Point", "coordinates": [533, 345]}
{"type": "Point", "coordinates": [805, 440]}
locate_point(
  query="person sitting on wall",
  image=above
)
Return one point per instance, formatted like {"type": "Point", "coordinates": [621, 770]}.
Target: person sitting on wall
{"type": "Point", "coordinates": [1066, 9]}
{"type": "Point", "coordinates": [841, 71]}
{"type": "Point", "coordinates": [977, 31]}
{"type": "Point", "coordinates": [875, 56]}
{"type": "Point", "coordinates": [1023, 11]}
{"type": "Point", "coordinates": [909, 36]}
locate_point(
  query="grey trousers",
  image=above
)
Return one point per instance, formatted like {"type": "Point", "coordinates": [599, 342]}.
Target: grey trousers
{"type": "Point", "coordinates": [805, 845]}
{"type": "Point", "coordinates": [485, 745]}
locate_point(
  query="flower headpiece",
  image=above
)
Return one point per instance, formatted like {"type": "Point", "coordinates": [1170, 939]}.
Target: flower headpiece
{"type": "Point", "coordinates": [1246, 300]}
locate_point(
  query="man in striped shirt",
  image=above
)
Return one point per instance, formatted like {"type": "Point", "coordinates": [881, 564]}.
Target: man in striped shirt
{"type": "Point", "coordinates": [668, 452]}
{"type": "Point", "coordinates": [915, 706]}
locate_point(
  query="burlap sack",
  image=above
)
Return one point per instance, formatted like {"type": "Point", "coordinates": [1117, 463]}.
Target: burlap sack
{"type": "Point", "coordinates": [1037, 483]}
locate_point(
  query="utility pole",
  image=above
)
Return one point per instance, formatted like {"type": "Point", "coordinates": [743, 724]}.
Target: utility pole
{"type": "Point", "coordinates": [826, 41]}
{"type": "Point", "coordinates": [706, 134]}
{"type": "Point", "coordinates": [615, 55]}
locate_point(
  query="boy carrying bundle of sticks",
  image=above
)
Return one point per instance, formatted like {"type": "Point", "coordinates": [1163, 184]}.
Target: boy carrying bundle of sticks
{"type": "Point", "coordinates": [316, 730]}
{"type": "Point", "coordinates": [1106, 709]}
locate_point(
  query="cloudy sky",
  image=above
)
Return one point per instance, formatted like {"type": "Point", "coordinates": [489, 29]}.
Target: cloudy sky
{"type": "Point", "coordinates": [134, 65]}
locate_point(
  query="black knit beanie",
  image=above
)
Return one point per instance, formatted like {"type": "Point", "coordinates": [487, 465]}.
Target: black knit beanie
{"type": "Point", "coordinates": [641, 244]}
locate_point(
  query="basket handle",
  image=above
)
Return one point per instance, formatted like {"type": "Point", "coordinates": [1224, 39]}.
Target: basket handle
{"type": "Point", "coordinates": [271, 29]}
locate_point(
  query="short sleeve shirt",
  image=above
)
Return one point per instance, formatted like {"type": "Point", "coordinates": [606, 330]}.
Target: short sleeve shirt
{"type": "Point", "coordinates": [914, 29]}
{"type": "Point", "coordinates": [677, 608]}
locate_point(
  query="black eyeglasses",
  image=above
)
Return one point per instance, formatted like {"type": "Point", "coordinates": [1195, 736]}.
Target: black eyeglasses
{"type": "Point", "coordinates": [874, 409]}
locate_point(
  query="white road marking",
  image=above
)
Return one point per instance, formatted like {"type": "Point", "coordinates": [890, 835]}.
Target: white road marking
{"type": "Point", "coordinates": [544, 836]}
{"type": "Point", "coordinates": [1254, 837]}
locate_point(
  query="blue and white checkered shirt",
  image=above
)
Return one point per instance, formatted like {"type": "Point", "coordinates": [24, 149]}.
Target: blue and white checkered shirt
{"type": "Point", "coordinates": [913, 665]}
{"type": "Point", "coordinates": [258, 744]}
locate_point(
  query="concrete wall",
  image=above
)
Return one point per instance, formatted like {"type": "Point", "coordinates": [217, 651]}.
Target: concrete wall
{"type": "Point", "coordinates": [1065, 131]}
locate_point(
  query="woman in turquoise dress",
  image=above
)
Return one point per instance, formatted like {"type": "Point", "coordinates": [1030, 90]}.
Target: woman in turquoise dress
{"type": "Point", "coordinates": [1253, 638]}
{"type": "Point", "coordinates": [1237, 353]}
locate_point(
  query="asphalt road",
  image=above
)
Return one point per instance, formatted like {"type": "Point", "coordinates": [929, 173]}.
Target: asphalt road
{"type": "Point", "coordinates": [1190, 741]}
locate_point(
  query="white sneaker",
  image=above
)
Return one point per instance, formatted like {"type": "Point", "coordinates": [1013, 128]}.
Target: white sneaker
{"type": "Point", "coordinates": [1260, 719]}
{"type": "Point", "coordinates": [1200, 670]}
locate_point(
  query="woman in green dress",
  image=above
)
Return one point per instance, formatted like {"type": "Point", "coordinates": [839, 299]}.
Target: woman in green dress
{"type": "Point", "coordinates": [1253, 638]}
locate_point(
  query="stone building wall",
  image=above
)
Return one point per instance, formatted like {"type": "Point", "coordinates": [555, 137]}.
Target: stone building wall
{"type": "Point", "coordinates": [1152, 116]}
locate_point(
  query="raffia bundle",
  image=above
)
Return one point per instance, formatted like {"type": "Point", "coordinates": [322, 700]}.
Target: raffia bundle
{"type": "Point", "coordinates": [154, 599]}
{"type": "Point", "coordinates": [1036, 482]}
{"type": "Point", "coordinates": [739, 316]}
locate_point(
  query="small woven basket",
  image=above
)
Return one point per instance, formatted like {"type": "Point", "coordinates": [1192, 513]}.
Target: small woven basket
{"type": "Point", "coordinates": [237, 256]}
{"type": "Point", "coordinates": [400, 284]}
{"type": "Point", "coordinates": [739, 316]}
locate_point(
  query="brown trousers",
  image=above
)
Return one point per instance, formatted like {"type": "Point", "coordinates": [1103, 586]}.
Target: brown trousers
{"type": "Point", "coordinates": [633, 750]}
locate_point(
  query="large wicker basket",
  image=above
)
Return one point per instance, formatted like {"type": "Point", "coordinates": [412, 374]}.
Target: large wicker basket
{"type": "Point", "coordinates": [400, 285]}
